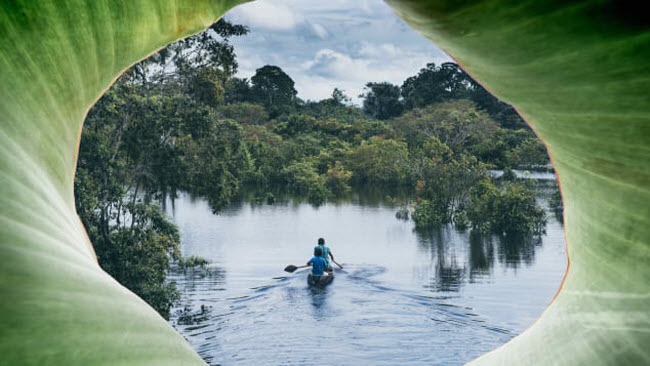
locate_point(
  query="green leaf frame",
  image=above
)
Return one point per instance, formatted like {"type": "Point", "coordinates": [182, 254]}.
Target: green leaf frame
{"type": "Point", "coordinates": [579, 73]}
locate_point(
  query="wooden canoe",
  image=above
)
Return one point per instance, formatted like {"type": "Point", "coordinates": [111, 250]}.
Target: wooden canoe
{"type": "Point", "coordinates": [320, 281]}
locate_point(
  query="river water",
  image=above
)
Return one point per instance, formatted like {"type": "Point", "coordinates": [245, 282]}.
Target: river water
{"type": "Point", "coordinates": [403, 297]}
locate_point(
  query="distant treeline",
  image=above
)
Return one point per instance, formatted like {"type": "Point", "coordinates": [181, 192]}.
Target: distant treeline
{"type": "Point", "coordinates": [181, 121]}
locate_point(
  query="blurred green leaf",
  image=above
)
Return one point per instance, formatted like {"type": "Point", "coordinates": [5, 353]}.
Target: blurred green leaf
{"type": "Point", "coordinates": [56, 58]}
{"type": "Point", "coordinates": [578, 73]}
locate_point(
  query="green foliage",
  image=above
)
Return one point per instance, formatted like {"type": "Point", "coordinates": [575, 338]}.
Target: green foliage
{"type": "Point", "coordinates": [274, 89]}
{"type": "Point", "coordinates": [446, 187]}
{"type": "Point", "coordinates": [435, 84]}
{"type": "Point", "coordinates": [338, 178]}
{"type": "Point", "coordinates": [205, 85]}
{"type": "Point", "coordinates": [302, 178]}
{"type": "Point", "coordinates": [245, 113]}
{"type": "Point", "coordinates": [237, 90]}
{"type": "Point", "coordinates": [379, 161]}
{"type": "Point", "coordinates": [201, 130]}
{"type": "Point", "coordinates": [510, 209]}
{"type": "Point", "coordinates": [508, 175]}
{"type": "Point", "coordinates": [529, 153]}
{"type": "Point", "coordinates": [428, 213]}
{"type": "Point", "coordinates": [294, 124]}
{"type": "Point", "coordinates": [138, 256]}
{"type": "Point", "coordinates": [382, 100]}
{"type": "Point", "coordinates": [148, 139]}
{"type": "Point", "coordinates": [592, 114]}
{"type": "Point", "coordinates": [210, 49]}
{"type": "Point", "coordinates": [457, 124]}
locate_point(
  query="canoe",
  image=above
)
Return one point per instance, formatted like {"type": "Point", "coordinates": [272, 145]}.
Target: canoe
{"type": "Point", "coordinates": [320, 281]}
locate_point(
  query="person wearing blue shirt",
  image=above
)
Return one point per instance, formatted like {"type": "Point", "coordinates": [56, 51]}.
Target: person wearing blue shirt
{"type": "Point", "coordinates": [327, 253]}
{"type": "Point", "coordinates": [317, 263]}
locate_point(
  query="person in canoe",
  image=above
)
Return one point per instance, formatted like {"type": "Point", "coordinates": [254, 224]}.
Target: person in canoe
{"type": "Point", "coordinates": [317, 263]}
{"type": "Point", "coordinates": [327, 254]}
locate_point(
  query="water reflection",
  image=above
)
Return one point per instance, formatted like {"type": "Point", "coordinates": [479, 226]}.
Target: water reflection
{"type": "Point", "coordinates": [319, 303]}
{"type": "Point", "coordinates": [517, 249]}
{"type": "Point", "coordinates": [481, 256]}
{"type": "Point", "coordinates": [418, 297]}
{"type": "Point", "coordinates": [448, 274]}
{"type": "Point", "coordinates": [452, 265]}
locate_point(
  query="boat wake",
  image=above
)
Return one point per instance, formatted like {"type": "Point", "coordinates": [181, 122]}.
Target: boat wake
{"type": "Point", "coordinates": [359, 315]}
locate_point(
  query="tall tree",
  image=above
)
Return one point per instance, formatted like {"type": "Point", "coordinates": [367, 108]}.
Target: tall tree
{"type": "Point", "coordinates": [274, 89]}
{"type": "Point", "coordinates": [435, 84]}
{"type": "Point", "coordinates": [382, 100]}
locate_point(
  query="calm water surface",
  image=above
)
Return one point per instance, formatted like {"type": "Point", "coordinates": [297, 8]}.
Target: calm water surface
{"type": "Point", "coordinates": [441, 297]}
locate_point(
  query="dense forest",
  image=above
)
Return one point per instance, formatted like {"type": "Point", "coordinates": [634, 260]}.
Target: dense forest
{"type": "Point", "coordinates": [182, 121]}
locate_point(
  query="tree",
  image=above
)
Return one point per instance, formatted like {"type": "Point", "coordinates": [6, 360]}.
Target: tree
{"type": "Point", "coordinates": [435, 84]}
{"type": "Point", "coordinates": [447, 82]}
{"type": "Point", "coordinates": [457, 124]}
{"type": "Point", "coordinates": [501, 112]}
{"type": "Point", "coordinates": [529, 153]}
{"type": "Point", "coordinates": [205, 85]}
{"type": "Point", "coordinates": [379, 161]}
{"type": "Point", "coordinates": [274, 89]}
{"type": "Point", "coordinates": [382, 100]}
{"type": "Point", "coordinates": [210, 48]}
{"type": "Point", "coordinates": [446, 186]}
{"type": "Point", "coordinates": [339, 98]}
{"type": "Point", "coordinates": [245, 113]}
{"type": "Point", "coordinates": [509, 210]}
{"type": "Point", "coordinates": [237, 90]}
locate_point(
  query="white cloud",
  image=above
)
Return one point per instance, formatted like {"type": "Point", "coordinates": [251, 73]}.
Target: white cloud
{"type": "Point", "coordinates": [329, 63]}
{"type": "Point", "coordinates": [319, 30]}
{"type": "Point", "coordinates": [266, 15]}
{"type": "Point", "coordinates": [316, 78]}
{"type": "Point", "coordinates": [326, 44]}
{"type": "Point", "coordinates": [379, 50]}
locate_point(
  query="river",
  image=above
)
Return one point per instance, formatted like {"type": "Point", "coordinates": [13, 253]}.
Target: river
{"type": "Point", "coordinates": [403, 297]}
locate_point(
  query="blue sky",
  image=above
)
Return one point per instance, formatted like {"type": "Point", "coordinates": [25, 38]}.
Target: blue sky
{"type": "Point", "coordinates": [324, 44]}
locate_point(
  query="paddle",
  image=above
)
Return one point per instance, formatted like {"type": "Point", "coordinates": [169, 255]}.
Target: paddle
{"type": "Point", "coordinates": [335, 262]}
{"type": "Point", "coordinates": [291, 268]}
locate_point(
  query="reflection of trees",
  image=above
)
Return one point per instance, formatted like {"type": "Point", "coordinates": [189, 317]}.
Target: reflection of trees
{"type": "Point", "coordinates": [515, 249]}
{"type": "Point", "coordinates": [511, 251]}
{"type": "Point", "coordinates": [448, 274]}
{"type": "Point", "coordinates": [195, 284]}
{"type": "Point", "coordinates": [446, 247]}
{"type": "Point", "coordinates": [481, 255]}
{"type": "Point", "coordinates": [198, 279]}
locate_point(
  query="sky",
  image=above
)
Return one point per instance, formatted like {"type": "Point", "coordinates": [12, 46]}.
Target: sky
{"type": "Point", "coordinates": [323, 44]}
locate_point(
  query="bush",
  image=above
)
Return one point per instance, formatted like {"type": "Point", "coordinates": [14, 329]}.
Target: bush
{"type": "Point", "coordinates": [508, 175]}
{"type": "Point", "coordinates": [302, 178]}
{"type": "Point", "coordinates": [428, 213]}
{"type": "Point", "coordinates": [380, 161]}
{"type": "Point", "coordinates": [402, 213]}
{"type": "Point", "coordinates": [138, 256]}
{"type": "Point", "coordinates": [511, 209]}
{"type": "Point", "coordinates": [245, 113]}
{"type": "Point", "coordinates": [338, 178]}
